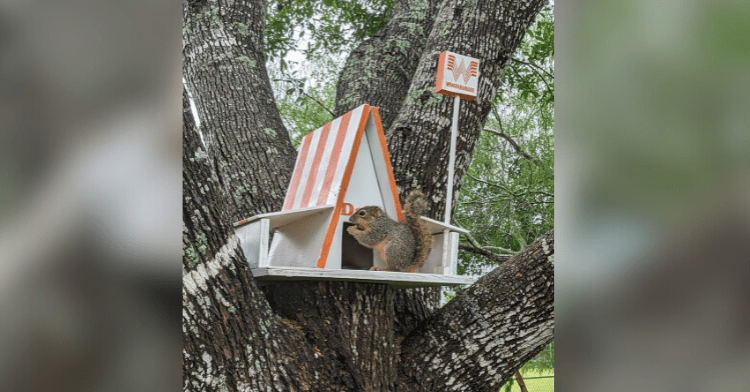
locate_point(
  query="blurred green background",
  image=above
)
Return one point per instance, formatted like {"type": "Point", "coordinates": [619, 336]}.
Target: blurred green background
{"type": "Point", "coordinates": [652, 178]}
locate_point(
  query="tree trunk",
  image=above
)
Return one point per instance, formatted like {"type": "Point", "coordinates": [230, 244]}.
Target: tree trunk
{"type": "Point", "coordinates": [225, 70]}
{"type": "Point", "coordinates": [232, 341]}
{"type": "Point", "coordinates": [482, 336]}
{"type": "Point", "coordinates": [419, 138]}
{"type": "Point", "coordinates": [419, 143]}
{"type": "Point", "coordinates": [379, 71]}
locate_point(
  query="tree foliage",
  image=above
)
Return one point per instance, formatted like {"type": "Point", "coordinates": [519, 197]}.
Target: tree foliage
{"type": "Point", "coordinates": [305, 95]}
{"type": "Point", "coordinates": [330, 26]}
{"type": "Point", "coordinates": [507, 198]}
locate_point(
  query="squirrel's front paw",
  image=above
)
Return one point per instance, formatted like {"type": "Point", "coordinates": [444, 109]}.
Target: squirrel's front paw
{"type": "Point", "coordinates": [352, 230]}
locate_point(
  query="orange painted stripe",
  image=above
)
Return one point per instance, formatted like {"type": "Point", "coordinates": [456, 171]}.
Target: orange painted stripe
{"type": "Point", "coordinates": [242, 222]}
{"type": "Point", "coordinates": [294, 185]}
{"type": "Point", "coordinates": [344, 184]}
{"type": "Point", "coordinates": [441, 65]}
{"type": "Point", "coordinates": [388, 167]}
{"type": "Point", "coordinates": [315, 164]}
{"type": "Point", "coordinates": [333, 161]}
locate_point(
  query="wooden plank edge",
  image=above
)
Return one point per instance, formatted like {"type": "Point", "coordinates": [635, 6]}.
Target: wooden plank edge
{"type": "Point", "coordinates": [396, 279]}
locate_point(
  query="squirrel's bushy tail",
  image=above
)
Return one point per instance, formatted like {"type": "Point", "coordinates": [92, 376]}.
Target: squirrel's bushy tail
{"type": "Point", "coordinates": [415, 205]}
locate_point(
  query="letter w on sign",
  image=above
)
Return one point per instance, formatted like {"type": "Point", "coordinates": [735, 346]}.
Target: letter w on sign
{"type": "Point", "coordinates": [461, 70]}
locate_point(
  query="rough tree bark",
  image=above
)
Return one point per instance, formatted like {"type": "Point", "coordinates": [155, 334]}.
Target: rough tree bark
{"type": "Point", "coordinates": [379, 71]}
{"type": "Point", "coordinates": [328, 335]}
{"type": "Point", "coordinates": [479, 339]}
{"type": "Point", "coordinates": [419, 138]}
{"type": "Point", "coordinates": [225, 71]}
{"type": "Point", "coordinates": [232, 340]}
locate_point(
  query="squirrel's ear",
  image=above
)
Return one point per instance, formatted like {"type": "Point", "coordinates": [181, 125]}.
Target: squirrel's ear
{"type": "Point", "coordinates": [376, 212]}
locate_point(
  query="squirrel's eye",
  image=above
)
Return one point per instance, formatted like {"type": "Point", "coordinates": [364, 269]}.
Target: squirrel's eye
{"type": "Point", "coordinates": [361, 212]}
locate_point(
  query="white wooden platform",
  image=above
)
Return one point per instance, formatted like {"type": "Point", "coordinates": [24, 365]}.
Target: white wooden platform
{"type": "Point", "coordinates": [396, 279]}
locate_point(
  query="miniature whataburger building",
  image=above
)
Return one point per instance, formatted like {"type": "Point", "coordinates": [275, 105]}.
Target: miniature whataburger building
{"type": "Point", "coordinates": [340, 167]}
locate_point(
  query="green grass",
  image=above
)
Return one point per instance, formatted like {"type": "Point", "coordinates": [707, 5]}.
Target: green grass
{"type": "Point", "coordinates": [533, 384]}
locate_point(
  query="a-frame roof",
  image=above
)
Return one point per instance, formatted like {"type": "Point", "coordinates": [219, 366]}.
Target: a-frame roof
{"type": "Point", "coordinates": [326, 157]}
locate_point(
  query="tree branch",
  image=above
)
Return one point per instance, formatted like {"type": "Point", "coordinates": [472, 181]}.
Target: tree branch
{"type": "Point", "coordinates": [549, 90]}
{"type": "Point", "coordinates": [318, 102]}
{"type": "Point", "coordinates": [534, 66]}
{"type": "Point", "coordinates": [243, 129]}
{"type": "Point", "coordinates": [511, 141]}
{"type": "Point", "coordinates": [219, 328]}
{"type": "Point", "coordinates": [477, 248]}
{"type": "Point", "coordinates": [483, 252]}
{"type": "Point", "coordinates": [503, 186]}
{"type": "Point", "coordinates": [479, 330]}
{"type": "Point", "coordinates": [302, 91]}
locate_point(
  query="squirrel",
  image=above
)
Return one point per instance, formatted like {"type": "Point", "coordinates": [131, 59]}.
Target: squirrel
{"type": "Point", "coordinates": [401, 246]}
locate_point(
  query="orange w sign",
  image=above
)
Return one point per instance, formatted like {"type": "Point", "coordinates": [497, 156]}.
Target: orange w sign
{"type": "Point", "coordinates": [457, 75]}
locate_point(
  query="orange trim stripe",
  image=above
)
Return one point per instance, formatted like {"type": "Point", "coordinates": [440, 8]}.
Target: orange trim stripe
{"type": "Point", "coordinates": [315, 164]}
{"type": "Point", "coordinates": [333, 161]}
{"type": "Point", "coordinates": [439, 81]}
{"type": "Point", "coordinates": [344, 185]}
{"type": "Point", "coordinates": [388, 167]}
{"type": "Point", "coordinates": [294, 185]}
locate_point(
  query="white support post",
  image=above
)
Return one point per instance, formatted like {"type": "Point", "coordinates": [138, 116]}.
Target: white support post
{"type": "Point", "coordinates": [452, 159]}
{"type": "Point", "coordinates": [449, 200]}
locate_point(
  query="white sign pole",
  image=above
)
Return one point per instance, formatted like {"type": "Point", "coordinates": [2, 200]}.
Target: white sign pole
{"type": "Point", "coordinates": [449, 199]}
{"type": "Point", "coordinates": [457, 76]}
{"type": "Point", "coordinates": [452, 159]}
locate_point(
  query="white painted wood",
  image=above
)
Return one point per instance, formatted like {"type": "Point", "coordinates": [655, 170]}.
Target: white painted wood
{"type": "Point", "coordinates": [305, 179]}
{"type": "Point", "coordinates": [445, 257]}
{"type": "Point", "coordinates": [434, 263]}
{"type": "Point", "coordinates": [452, 266]}
{"type": "Point", "coordinates": [437, 227]}
{"type": "Point", "coordinates": [283, 218]}
{"type": "Point", "coordinates": [265, 229]}
{"type": "Point", "coordinates": [300, 244]}
{"type": "Point", "coordinates": [315, 181]}
{"type": "Point", "coordinates": [334, 255]}
{"type": "Point", "coordinates": [365, 185]}
{"type": "Point", "coordinates": [346, 150]}
{"type": "Point", "coordinates": [452, 160]}
{"type": "Point", "coordinates": [254, 242]}
{"type": "Point", "coordinates": [375, 150]}
{"type": "Point", "coordinates": [397, 279]}
{"type": "Point", "coordinates": [323, 167]}
{"type": "Point", "coordinates": [300, 233]}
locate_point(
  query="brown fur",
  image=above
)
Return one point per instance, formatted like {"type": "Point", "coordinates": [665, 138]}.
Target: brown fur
{"type": "Point", "coordinates": [402, 246]}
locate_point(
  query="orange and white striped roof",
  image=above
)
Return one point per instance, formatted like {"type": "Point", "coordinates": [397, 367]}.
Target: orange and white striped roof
{"type": "Point", "coordinates": [324, 157]}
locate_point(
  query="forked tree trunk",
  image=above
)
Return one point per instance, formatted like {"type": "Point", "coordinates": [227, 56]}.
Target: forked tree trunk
{"type": "Point", "coordinates": [330, 336]}
{"type": "Point", "coordinates": [379, 71]}
{"type": "Point", "coordinates": [232, 341]}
